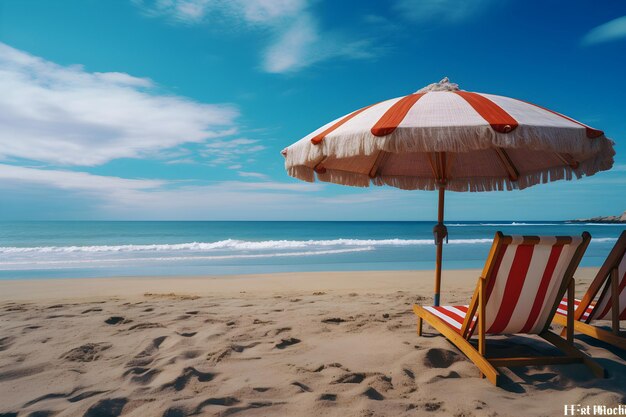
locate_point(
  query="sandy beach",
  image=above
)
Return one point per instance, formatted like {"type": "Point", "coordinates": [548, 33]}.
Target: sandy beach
{"type": "Point", "coordinates": [307, 344]}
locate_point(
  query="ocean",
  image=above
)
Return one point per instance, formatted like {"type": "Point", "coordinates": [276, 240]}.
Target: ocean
{"type": "Point", "coordinates": [136, 248]}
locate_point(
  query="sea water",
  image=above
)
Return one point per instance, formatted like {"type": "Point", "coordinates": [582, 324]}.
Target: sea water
{"type": "Point", "coordinates": [135, 248]}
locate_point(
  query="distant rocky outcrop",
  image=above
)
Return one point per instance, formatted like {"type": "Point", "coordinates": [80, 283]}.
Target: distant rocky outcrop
{"type": "Point", "coordinates": [603, 219]}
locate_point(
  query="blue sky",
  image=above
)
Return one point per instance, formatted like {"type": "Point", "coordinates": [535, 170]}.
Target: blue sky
{"type": "Point", "coordinates": [177, 109]}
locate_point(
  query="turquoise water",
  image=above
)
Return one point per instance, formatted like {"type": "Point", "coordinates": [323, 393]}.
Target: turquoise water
{"type": "Point", "coordinates": [100, 248]}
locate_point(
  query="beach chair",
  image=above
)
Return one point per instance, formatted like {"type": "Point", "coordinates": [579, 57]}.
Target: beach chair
{"type": "Point", "coordinates": [610, 284]}
{"type": "Point", "coordinates": [518, 292]}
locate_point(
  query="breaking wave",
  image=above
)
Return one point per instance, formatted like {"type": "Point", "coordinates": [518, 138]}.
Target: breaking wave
{"type": "Point", "coordinates": [231, 244]}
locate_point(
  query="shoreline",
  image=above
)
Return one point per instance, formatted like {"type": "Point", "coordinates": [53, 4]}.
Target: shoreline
{"type": "Point", "coordinates": [417, 281]}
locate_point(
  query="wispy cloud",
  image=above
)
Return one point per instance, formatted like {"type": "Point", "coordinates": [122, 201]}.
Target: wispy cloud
{"type": "Point", "coordinates": [297, 41]}
{"type": "Point", "coordinates": [72, 180]}
{"type": "Point", "coordinates": [230, 152]}
{"type": "Point", "coordinates": [446, 11]}
{"type": "Point", "coordinates": [69, 116]}
{"type": "Point", "coordinates": [301, 44]}
{"type": "Point", "coordinates": [154, 199]}
{"type": "Point", "coordinates": [259, 12]}
{"type": "Point", "coordinates": [609, 31]}
{"type": "Point", "coordinates": [257, 175]}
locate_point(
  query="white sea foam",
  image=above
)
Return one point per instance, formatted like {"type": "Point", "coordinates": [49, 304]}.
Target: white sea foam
{"type": "Point", "coordinates": [35, 263]}
{"type": "Point", "coordinates": [231, 244]}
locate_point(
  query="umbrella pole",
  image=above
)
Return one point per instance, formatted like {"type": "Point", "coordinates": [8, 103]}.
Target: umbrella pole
{"type": "Point", "coordinates": [440, 233]}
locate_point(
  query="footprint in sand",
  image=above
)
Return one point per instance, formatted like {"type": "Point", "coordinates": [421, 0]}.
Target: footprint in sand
{"type": "Point", "coordinates": [86, 353]}
{"type": "Point", "coordinates": [287, 342]}
{"type": "Point", "coordinates": [350, 378]}
{"type": "Point", "coordinates": [440, 358]}
{"type": "Point", "coordinates": [111, 407]}
{"type": "Point", "coordinates": [328, 397]}
{"type": "Point", "coordinates": [113, 320]}
{"type": "Point", "coordinates": [187, 375]}
{"type": "Point", "coordinates": [372, 394]}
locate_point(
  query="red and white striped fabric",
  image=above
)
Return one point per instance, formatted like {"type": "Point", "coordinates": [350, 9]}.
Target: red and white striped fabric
{"type": "Point", "coordinates": [389, 143]}
{"type": "Point", "coordinates": [562, 310]}
{"type": "Point", "coordinates": [453, 316]}
{"type": "Point", "coordinates": [601, 309]}
{"type": "Point", "coordinates": [523, 289]}
{"type": "Point", "coordinates": [604, 305]}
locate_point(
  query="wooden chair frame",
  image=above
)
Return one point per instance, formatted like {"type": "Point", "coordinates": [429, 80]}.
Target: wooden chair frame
{"type": "Point", "coordinates": [478, 356]}
{"type": "Point", "coordinates": [609, 270]}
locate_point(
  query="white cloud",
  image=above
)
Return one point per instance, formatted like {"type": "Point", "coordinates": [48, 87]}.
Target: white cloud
{"type": "Point", "coordinates": [253, 12]}
{"type": "Point", "coordinates": [297, 40]}
{"type": "Point", "coordinates": [155, 199]}
{"type": "Point", "coordinates": [447, 11]}
{"type": "Point", "coordinates": [69, 116]}
{"type": "Point", "coordinates": [258, 175]}
{"type": "Point", "coordinates": [292, 48]}
{"type": "Point", "coordinates": [609, 31]}
{"type": "Point", "coordinates": [269, 10]}
{"type": "Point", "coordinates": [300, 45]}
{"type": "Point", "coordinates": [72, 180]}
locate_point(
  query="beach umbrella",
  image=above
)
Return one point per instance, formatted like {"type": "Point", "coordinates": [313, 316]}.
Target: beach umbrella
{"type": "Point", "coordinates": [444, 138]}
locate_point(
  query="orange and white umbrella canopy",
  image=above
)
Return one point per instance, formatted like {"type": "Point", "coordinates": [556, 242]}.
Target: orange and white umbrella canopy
{"type": "Point", "coordinates": [445, 138]}
{"type": "Point", "coordinates": [441, 134]}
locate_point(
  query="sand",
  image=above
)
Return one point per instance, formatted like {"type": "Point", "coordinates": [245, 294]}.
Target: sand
{"type": "Point", "coordinates": [305, 344]}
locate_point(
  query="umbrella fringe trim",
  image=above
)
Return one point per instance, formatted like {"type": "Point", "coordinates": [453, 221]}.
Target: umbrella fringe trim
{"type": "Point", "coordinates": [599, 162]}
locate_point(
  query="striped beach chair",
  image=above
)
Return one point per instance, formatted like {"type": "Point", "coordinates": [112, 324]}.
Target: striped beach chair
{"type": "Point", "coordinates": [518, 292]}
{"type": "Point", "coordinates": [604, 300]}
